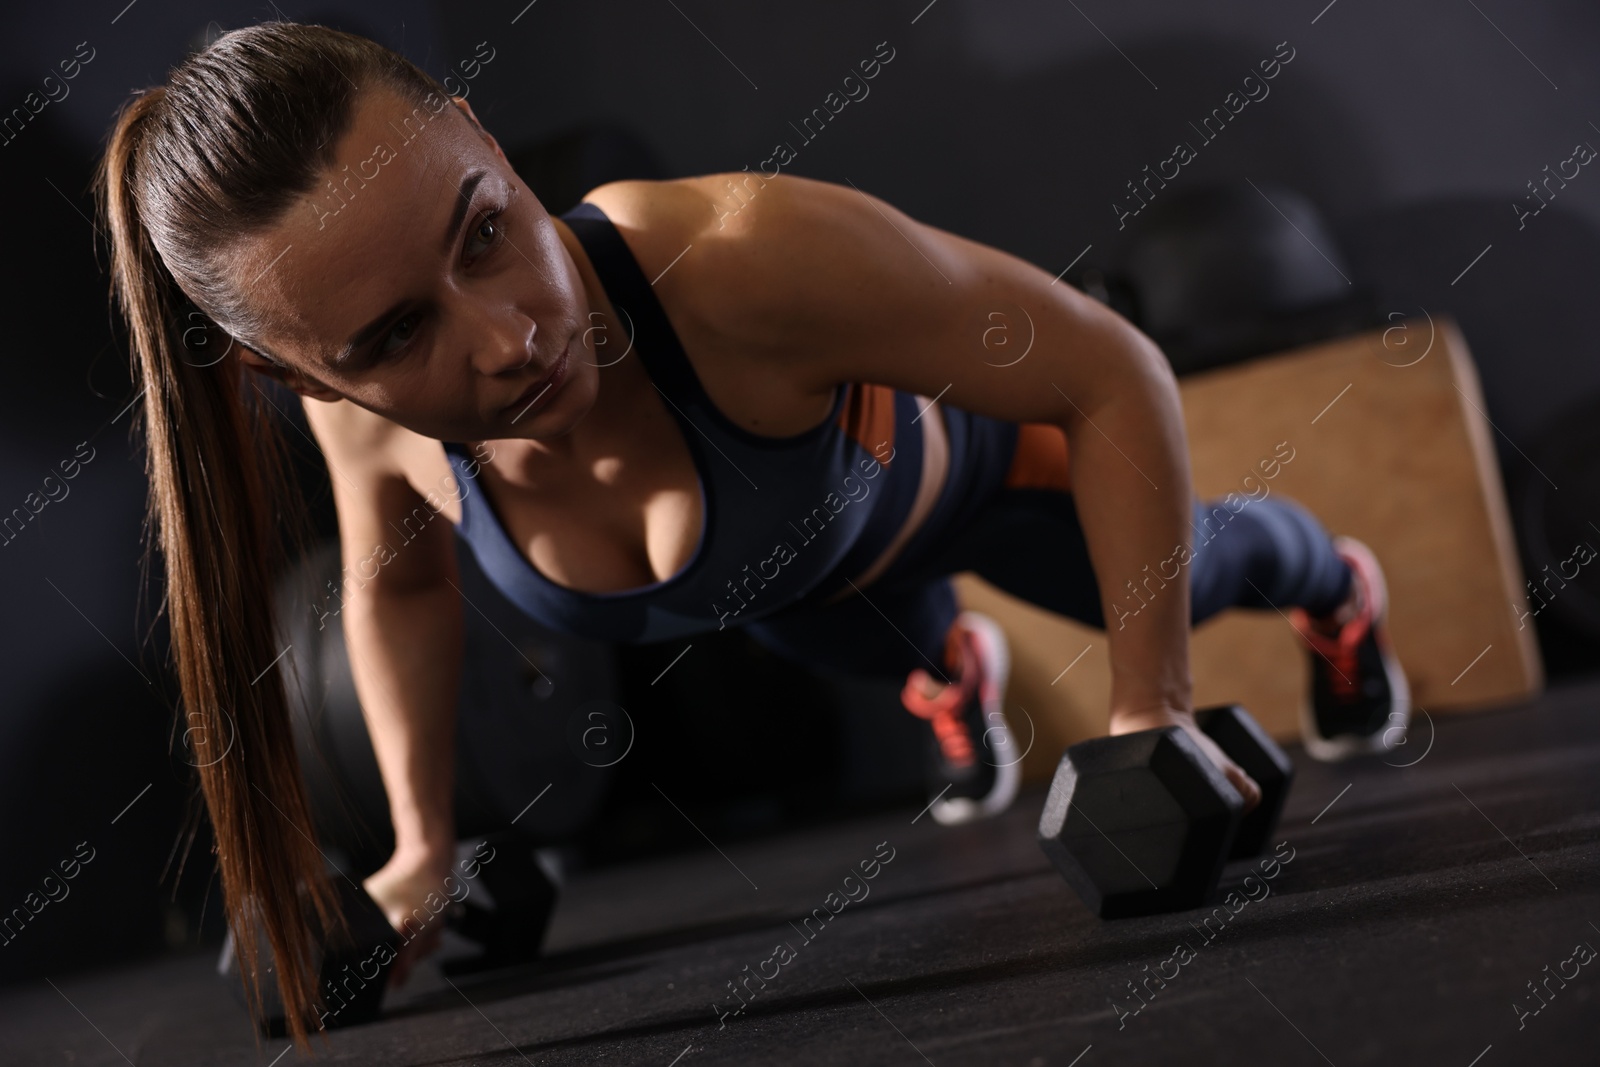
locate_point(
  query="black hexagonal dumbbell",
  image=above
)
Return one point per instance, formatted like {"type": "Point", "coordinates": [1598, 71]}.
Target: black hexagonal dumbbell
{"type": "Point", "coordinates": [522, 898]}
{"type": "Point", "coordinates": [1144, 822]}
{"type": "Point", "coordinates": [351, 976]}
{"type": "Point", "coordinates": [509, 926]}
{"type": "Point", "coordinates": [1243, 740]}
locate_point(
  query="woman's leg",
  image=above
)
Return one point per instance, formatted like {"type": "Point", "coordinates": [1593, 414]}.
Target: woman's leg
{"type": "Point", "coordinates": [1028, 542]}
{"type": "Point", "coordinates": [1268, 553]}
{"type": "Point", "coordinates": [1263, 554]}
{"type": "Point", "coordinates": [954, 665]}
{"type": "Point", "coordinates": [1271, 553]}
{"type": "Point", "coordinates": [886, 633]}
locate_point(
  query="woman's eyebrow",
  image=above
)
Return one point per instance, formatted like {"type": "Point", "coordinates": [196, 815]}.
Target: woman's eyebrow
{"type": "Point", "coordinates": [342, 359]}
{"type": "Point", "coordinates": [463, 201]}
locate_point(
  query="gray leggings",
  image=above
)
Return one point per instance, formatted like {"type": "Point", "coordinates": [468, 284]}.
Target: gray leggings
{"type": "Point", "coordinates": [1028, 542]}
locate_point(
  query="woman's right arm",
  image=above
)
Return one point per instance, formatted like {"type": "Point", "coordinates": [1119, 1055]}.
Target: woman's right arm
{"type": "Point", "coordinates": [402, 619]}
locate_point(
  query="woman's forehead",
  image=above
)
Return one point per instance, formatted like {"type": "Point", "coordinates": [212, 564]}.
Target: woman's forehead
{"type": "Point", "coordinates": [375, 224]}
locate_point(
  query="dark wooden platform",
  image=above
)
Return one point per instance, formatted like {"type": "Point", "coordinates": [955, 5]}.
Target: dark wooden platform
{"type": "Point", "coordinates": [1419, 904]}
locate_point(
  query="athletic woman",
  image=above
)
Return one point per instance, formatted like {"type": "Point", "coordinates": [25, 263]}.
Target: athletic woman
{"type": "Point", "coordinates": [684, 405]}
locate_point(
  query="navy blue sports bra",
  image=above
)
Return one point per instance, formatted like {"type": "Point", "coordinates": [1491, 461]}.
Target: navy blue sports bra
{"type": "Point", "coordinates": [785, 519]}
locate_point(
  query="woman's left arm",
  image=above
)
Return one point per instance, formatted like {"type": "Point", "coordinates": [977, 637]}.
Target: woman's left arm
{"type": "Point", "coordinates": [831, 285]}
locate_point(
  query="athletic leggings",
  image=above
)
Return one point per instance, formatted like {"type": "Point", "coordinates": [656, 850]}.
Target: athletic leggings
{"type": "Point", "coordinates": [1270, 553]}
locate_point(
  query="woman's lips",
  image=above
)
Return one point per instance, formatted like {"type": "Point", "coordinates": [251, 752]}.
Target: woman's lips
{"type": "Point", "coordinates": [538, 394]}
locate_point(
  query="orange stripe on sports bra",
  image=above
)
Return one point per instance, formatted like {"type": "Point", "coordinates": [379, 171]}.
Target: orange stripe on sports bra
{"type": "Point", "coordinates": [1040, 461]}
{"type": "Point", "coordinates": [867, 416]}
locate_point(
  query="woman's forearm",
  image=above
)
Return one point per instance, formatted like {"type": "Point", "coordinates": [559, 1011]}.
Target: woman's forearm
{"type": "Point", "coordinates": [1130, 476]}
{"type": "Point", "coordinates": [405, 657]}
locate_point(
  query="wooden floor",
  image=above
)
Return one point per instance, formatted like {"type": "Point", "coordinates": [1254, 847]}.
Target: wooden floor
{"type": "Point", "coordinates": [1418, 904]}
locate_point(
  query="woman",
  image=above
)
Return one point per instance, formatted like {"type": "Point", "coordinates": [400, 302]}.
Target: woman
{"type": "Point", "coordinates": [663, 413]}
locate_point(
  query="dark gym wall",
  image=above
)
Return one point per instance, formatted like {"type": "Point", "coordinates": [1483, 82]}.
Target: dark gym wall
{"type": "Point", "coordinates": [1415, 125]}
{"type": "Point", "coordinates": [1018, 122]}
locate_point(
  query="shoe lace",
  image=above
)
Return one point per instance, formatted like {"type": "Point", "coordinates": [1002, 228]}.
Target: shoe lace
{"type": "Point", "coordinates": [1346, 663]}
{"type": "Point", "coordinates": [1341, 650]}
{"type": "Point", "coordinates": [944, 712]}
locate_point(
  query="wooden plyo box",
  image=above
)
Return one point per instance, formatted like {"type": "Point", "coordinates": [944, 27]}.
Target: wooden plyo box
{"type": "Point", "coordinates": [1392, 446]}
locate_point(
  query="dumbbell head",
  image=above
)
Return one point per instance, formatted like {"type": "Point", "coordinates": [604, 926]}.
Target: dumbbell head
{"type": "Point", "coordinates": [511, 929]}
{"type": "Point", "coordinates": [1139, 823]}
{"type": "Point", "coordinates": [508, 927]}
{"type": "Point", "coordinates": [1243, 740]}
{"type": "Point", "coordinates": [351, 974]}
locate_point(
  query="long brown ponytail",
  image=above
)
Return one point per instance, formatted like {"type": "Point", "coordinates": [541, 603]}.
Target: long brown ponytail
{"type": "Point", "coordinates": [238, 131]}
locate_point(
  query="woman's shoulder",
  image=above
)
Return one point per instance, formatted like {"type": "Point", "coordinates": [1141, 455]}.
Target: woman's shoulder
{"type": "Point", "coordinates": [726, 206]}
{"type": "Point", "coordinates": [361, 444]}
{"type": "Point", "coordinates": [369, 457]}
{"type": "Point", "coordinates": [653, 206]}
{"type": "Point", "coordinates": [725, 248]}
{"type": "Point", "coordinates": [350, 430]}
{"type": "Point", "coordinates": [715, 246]}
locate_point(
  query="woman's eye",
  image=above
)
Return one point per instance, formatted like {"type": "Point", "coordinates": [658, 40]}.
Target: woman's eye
{"type": "Point", "coordinates": [486, 233]}
{"type": "Point", "coordinates": [401, 332]}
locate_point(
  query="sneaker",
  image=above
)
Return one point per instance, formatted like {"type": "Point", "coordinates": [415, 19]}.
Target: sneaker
{"type": "Point", "coordinates": [1359, 700]}
{"type": "Point", "coordinates": [973, 770]}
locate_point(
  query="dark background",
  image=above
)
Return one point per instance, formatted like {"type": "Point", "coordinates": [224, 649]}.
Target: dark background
{"type": "Point", "coordinates": [1413, 126]}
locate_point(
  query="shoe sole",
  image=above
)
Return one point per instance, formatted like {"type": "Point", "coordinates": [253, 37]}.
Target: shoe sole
{"type": "Point", "coordinates": [996, 656]}
{"type": "Point", "coordinates": [1331, 750]}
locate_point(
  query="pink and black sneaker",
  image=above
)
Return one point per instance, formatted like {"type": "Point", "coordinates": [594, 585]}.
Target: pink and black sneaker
{"type": "Point", "coordinates": [1359, 701]}
{"type": "Point", "coordinates": [973, 763]}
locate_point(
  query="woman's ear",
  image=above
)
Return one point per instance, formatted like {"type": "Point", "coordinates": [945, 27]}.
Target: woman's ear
{"type": "Point", "coordinates": [466, 109]}
{"type": "Point", "coordinates": [286, 375]}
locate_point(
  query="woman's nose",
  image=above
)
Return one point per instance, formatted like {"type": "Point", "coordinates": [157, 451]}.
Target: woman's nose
{"type": "Point", "coordinates": [506, 343]}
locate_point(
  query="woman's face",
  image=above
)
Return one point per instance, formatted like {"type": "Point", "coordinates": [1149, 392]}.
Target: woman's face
{"type": "Point", "coordinates": [423, 281]}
